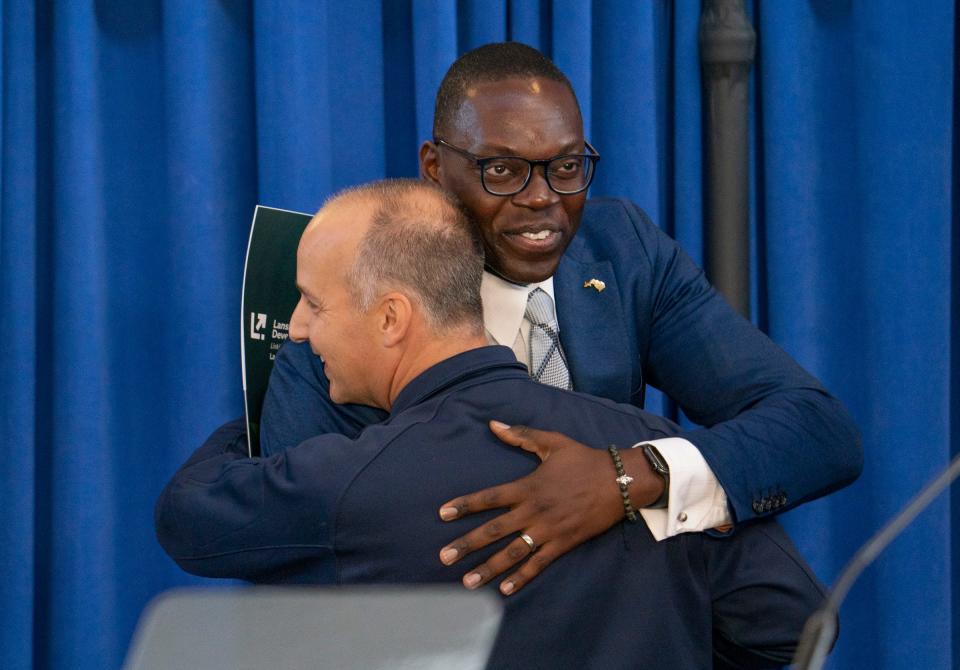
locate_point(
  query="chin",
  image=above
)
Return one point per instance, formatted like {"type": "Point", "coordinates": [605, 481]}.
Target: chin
{"type": "Point", "coordinates": [527, 272]}
{"type": "Point", "coordinates": [345, 398]}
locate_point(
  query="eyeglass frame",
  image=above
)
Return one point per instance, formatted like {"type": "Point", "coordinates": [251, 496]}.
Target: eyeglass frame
{"type": "Point", "coordinates": [594, 158]}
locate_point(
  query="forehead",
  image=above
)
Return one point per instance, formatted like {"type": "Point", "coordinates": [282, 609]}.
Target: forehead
{"type": "Point", "coordinates": [520, 115]}
{"type": "Point", "coordinates": [329, 242]}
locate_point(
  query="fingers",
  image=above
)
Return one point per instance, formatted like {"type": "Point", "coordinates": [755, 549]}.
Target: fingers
{"type": "Point", "coordinates": [505, 559]}
{"type": "Point", "coordinates": [497, 564]}
{"type": "Point", "coordinates": [539, 442]}
{"type": "Point", "coordinates": [504, 495]}
{"type": "Point", "coordinates": [537, 564]}
{"type": "Point", "coordinates": [561, 504]}
{"type": "Point", "coordinates": [491, 531]}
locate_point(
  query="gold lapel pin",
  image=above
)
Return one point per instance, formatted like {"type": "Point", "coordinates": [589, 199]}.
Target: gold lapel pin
{"type": "Point", "coordinates": [595, 283]}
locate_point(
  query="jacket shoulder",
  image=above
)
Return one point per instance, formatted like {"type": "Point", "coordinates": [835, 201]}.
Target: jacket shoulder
{"type": "Point", "coordinates": [614, 227]}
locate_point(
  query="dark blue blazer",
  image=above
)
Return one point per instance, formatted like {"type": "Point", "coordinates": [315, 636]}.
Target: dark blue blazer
{"type": "Point", "coordinates": [364, 510]}
{"type": "Point", "coordinates": [772, 435]}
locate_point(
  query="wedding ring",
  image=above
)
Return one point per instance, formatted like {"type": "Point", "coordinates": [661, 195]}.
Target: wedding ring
{"type": "Point", "coordinates": [529, 540]}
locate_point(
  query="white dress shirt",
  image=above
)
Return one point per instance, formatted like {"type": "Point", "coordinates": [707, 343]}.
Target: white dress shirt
{"type": "Point", "coordinates": [696, 500]}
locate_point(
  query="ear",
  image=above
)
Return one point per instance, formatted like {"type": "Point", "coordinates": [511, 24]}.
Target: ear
{"type": "Point", "coordinates": [395, 313]}
{"type": "Point", "coordinates": [429, 165]}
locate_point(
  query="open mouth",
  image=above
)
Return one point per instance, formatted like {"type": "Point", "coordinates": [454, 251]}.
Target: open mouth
{"type": "Point", "coordinates": [541, 235]}
{"type": "Point", "coordinates": [535, 241]}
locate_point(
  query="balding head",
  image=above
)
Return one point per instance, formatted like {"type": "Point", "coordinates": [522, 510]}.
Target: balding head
{"type": "Point", "coordinates": [418, 239]}
{"type": "Point", "coordinates": [376, 252]}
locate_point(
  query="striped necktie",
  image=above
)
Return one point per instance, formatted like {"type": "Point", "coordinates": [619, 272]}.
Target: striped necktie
{"type": "Point", "coordinates": [547, 362]}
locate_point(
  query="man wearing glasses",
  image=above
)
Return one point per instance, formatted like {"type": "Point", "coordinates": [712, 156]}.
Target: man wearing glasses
{"type": "Point", "coordinates": [605, 310]}
{"type": "Point", "coordinates": [341, 511]}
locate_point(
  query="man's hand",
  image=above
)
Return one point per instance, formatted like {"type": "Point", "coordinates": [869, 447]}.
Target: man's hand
{"type": "Point", "coordinates": [571, 497]}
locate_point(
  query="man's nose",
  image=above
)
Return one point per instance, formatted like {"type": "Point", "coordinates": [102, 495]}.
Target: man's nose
{"type": "Point", "coordinates": [537, 194]}
{"type": "Point", "coordinates": [300, 322]}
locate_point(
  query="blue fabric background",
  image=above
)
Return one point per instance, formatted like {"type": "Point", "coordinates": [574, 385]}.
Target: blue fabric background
{"type": "Point", "coordinates": [137, 136]}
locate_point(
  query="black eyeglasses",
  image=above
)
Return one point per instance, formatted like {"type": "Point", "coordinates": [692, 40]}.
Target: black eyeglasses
{"type": "Point", "coordinates": [566, 174]}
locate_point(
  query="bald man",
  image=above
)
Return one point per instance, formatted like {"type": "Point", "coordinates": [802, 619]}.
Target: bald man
{"type": "Point", "coordinates": [389, 276]}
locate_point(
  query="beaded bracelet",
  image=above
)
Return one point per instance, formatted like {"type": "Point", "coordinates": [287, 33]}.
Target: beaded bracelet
{"type": "Point", "coordinates": [623, 480]}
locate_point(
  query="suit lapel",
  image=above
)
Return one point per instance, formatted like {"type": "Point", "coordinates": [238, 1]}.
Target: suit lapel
{"type": "Point", "coordinates": [593, 330]}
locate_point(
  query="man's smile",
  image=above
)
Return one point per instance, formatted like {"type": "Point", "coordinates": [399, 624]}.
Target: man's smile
{"type": "Point", "coordinates": [536, 241]}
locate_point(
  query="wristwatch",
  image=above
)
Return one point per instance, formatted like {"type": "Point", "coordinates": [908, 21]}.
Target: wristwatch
{"type": "Point", "coordinates": [661, 468]}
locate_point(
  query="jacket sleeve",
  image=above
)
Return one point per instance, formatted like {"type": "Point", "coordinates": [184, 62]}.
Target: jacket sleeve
{"type": "Point", "coordinates": [298, 406]}
{"type": "Point", "coordinates": [773, 436]}
{"type": "Point", "coordinates": [226, 515]}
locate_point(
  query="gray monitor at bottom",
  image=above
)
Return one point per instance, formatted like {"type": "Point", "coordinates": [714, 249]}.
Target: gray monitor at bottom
{"type": "Point", "coordinates": [400, 628]}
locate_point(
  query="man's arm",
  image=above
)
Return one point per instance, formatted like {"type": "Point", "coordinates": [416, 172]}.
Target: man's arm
{"type": "Point", "coordinates": [226, 515]}
{"type": "Point", "coordinates": [199, 515]}
{"type": "Point", "coordinates": [773, 436]}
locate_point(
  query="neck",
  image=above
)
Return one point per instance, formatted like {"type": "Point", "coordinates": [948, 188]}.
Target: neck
{"type": "Point", "coordinates": [422, 353]}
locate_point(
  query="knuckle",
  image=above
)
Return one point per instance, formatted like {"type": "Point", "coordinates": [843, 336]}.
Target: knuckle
{"type": "Point", "coordinates": [542, 505]}
{"type": "Point", "coordinates": [517, 551]}
{"type": "Point", "coordinates": [526, 485]}
{"type": "Point", "coordinates": [493, 530]}
{"type": "Point", "coordinates": [551, 438]}
{"type": "Point", "coordinates": [539, 561]}
{"type": "Point", "coordinates": [489, 499]}
{"type": "Point", "coordinates": [498, 563]}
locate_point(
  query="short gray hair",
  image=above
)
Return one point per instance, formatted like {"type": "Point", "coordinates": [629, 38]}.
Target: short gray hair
{"type": "Point", "coordinates": [420, 239]}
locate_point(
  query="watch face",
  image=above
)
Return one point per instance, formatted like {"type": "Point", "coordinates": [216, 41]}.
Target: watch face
{"type": "Point", "coordinates": [656, 460]}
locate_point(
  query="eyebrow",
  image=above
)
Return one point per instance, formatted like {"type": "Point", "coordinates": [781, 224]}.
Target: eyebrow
{"type": "Point", "coordinates": [304, 292]}
{"type": "Point", "coordinates": [494, 150]}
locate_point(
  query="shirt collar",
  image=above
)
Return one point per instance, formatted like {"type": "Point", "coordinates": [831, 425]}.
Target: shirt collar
{"type": "Point", "coordinates": [457, 369]}
{"type": "Point", "coordinates": [504, 304]}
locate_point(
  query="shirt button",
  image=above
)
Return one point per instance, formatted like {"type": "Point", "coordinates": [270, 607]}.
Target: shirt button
{"type": "Point", "coordinates": [682, 517]}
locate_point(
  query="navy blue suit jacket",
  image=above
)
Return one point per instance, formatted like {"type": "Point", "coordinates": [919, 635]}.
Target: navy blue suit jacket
{"type": "Point", "coordinates": [364, 510]}
{"type": "Point", "coordinates": [772, 435]}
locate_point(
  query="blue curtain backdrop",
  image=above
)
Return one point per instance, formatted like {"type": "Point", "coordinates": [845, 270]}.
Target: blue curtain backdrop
{"type": "Point", "coordinates": [137, 136]}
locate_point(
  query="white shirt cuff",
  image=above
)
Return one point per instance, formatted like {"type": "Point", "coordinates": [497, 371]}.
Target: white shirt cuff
{"type": "Point", "coordinates": [696, 500]}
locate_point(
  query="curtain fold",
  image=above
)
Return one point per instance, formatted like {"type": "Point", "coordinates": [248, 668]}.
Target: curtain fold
{"type": "Point", "coordinates": [21, 251]}
{"type": "Point", "coordinates": [137, 137]}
